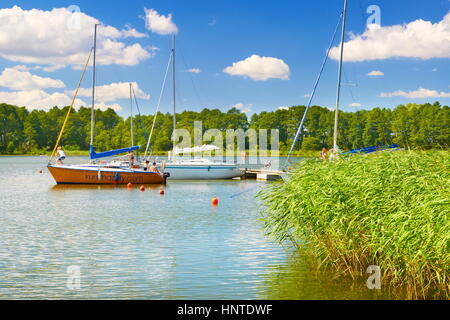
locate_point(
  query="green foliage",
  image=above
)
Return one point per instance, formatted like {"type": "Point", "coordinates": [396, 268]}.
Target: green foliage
{"type": "Point", "coordinates": [390, 209]}
{"type": "Point", "coordinates": [311, 144]}
{"type": "Point", "coordinates": [412, 126]}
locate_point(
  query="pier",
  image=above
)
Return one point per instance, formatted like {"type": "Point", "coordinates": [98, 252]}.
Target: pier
{"type": "Point", "coordinates": [262, 174]}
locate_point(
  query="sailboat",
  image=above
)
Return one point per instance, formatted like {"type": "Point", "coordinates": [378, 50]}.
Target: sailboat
{"type": "Point", "coordinates": [103, 173]}
{"type": "Point", "coordinates": [335, 151]}
{"type": "Point", "coordinates": [197, 168]}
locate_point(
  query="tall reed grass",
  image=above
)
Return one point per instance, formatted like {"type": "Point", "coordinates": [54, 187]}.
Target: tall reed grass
{"type": "Point", "coordinates": [390, 209]}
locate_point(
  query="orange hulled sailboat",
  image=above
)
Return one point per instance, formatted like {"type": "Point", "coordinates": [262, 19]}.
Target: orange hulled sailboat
{"type": "Point", "coordinates": [100, 172]}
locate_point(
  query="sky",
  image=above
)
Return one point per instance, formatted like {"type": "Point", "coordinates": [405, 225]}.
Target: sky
{"type": "Point", "coordinates": [253, 55]}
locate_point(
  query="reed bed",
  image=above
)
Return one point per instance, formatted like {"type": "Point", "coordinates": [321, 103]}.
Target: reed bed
{"type": "Point", "coordinates": [390, 209]}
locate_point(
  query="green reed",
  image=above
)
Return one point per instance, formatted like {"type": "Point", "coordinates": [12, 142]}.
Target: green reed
{"type": "Point", "coordinates": [390, 209]}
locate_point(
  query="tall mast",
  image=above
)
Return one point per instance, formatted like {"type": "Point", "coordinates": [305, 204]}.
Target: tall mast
{"type": "Point", "coordinates": [174, 90]}
{"type": "Point", "coordinates": [336, 119]}
{"type": "Point", "coordinates": [131, 106]}
{"type": "Point", "coordinates": [93, 88]}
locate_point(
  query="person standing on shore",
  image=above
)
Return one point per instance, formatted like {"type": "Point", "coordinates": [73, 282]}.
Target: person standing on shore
{"type": "Point", "coordinates": [324, 154]}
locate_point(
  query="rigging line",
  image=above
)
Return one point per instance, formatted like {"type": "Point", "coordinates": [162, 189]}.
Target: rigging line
{"type": "Point", "coordinates": [200, 100]}
{"type": "Point", "coordinates": [300, 129]}
{"type": "Point", "coordinates": [71, 106]}
{"type": "Point", "coordinates": [139, 112]}
{"type": "Point", "coordinates": [159, 104]}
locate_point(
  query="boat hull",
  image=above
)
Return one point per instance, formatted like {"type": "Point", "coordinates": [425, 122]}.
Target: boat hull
{"type": "Point", "coordinates": [190, 172]}
{"type": "Point", "coordinates": [80, 175]}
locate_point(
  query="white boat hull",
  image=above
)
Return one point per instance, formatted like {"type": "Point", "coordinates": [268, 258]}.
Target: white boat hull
{"type": "Point", "coordinates": [202, 172]}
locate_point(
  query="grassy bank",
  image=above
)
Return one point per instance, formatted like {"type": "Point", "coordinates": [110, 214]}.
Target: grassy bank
{"type": "Point", "coordinates": [389, 209]}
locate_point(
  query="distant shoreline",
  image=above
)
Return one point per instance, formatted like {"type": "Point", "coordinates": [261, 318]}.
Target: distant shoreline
{"type": "Point", "coordinates": [312, 154]}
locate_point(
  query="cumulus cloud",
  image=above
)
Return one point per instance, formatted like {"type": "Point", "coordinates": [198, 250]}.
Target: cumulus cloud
{"type": "Point", "coordinates": [194, 70]}
{"type": "Point", "coordinates": [38, 99]}
{"type": "Point", "coordinates": [356, 104]}
{"type": "Point", "coordinates": [284, 108]}
{"type": "Point", "coordinates": [102, 106]}
{"type": "Point", "coordinates": [418, 39]}
{"type": "Point", "coordinates": [159, 24]}
{"type": "Point", "coordinates": [260, 68]}
{"type": "Point", "coordinates": [113, 91]}
{"type": "Point", "coordinates": [24, 80]}
{"type": "Point", "coordinates": [246, 108]}
{"type": "Point", "coordinates": [59, 37]}
{"type": "Point", "coordinates": [375, 73]}
{"type": "Point", "coordinates": [420, 93]}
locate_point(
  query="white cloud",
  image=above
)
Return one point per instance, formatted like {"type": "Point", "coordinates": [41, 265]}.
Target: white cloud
{"type": "Point", "coordinates": [38, 99]}
{"type": "Point", "coordinates": [24, 80]}
{"type": "Point", "coordinates": [159, 24]}
{"type": "Point", "coordinates": [260, 68]}
{"type": "Point", "coordinates": [246, 108]}
{"type": "Point", "coordinates": [356, 104]}
{"type": "Point", "coordinates": [375, 73]}
{"type": "Point", "coordinates": [194, 70]}
{"type": "Point", "coordinates": [283, 108]}
{"type": "Point", "coordinates": [417, 39]}
{"type": "Point", "coordinates": [113, 91]}
{"type": "Point", "coordinates": [102, 106]}
{"type": "Point", "coordinates": [58, 38]}
{"type": "Point", "coordinates": [307, 95]}
{"type": "Point", "coordinates": [420, 93]}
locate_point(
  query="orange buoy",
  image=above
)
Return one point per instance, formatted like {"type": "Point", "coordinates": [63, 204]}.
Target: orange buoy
{"type": "Point", "coordinates": [162, 192]}
{"type": "Point", "coordinates": [215, 202]}
{"type": "Point", "coordinates": [142, 189]}
{"type": "Point", "coordinates": [130, 185]}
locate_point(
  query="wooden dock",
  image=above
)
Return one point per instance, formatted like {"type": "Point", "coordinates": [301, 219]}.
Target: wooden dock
{"type": "Point", "coordinates": [262, 174]}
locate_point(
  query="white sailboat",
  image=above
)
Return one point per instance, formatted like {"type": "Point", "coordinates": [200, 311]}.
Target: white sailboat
{"type": "Point", "coordinates": [199, 168]}
{"type": "Point", "coordinates": [195, 168]}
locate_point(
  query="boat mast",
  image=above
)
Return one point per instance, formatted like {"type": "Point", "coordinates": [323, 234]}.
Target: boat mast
{"type": "Point", "coordinates": [174, 91]}
{"type": "Point", "coordinates": [336, 119]}
{"type": "Point", "coordinates": [93, 88]}
{"type": "Point", "coordinates": [131, 118]}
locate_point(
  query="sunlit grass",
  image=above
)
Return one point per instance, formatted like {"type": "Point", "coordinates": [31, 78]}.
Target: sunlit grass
{"type": "Point", "coordinates": [390, 209]}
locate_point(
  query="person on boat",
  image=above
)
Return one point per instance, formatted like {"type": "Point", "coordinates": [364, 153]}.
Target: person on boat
{"type": "Point", "coordinates": [131, 158]}
{"type": "Point", "coordinates": [61, 155]}
{"type": "Point", "coordinates": [324, 154]}
{"type": "Point", "coordinates": [147, 165]}
{"type": "Point", "coordinates": [154, 168]}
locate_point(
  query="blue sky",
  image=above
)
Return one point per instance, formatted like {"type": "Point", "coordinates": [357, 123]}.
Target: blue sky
{"type": "Point", "coordinates": [288, 38]}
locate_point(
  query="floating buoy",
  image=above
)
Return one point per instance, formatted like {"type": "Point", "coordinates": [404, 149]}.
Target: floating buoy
{"type": "Point", "coordinates": [142, 189]}
{"type": "Point", "coordinates": [130, 185]}
{"type": "Point", "coordinates": [40, 171]}
{"type": "Point", "coordinates": [162, 192]}
{"type": "Point", "coordinates": [215, 202]}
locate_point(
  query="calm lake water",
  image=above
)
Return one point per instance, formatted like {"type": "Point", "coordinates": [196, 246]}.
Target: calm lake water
{"type": "Point", "coordinates": [140, 245]}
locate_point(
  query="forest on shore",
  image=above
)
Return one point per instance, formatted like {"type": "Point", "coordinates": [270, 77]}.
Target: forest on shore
{"type": "Point", "coordinates": [412, 126]}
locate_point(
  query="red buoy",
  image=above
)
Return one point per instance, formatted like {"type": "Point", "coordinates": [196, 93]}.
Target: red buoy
{"type": "Point", "coordinates": [130, 185]}
{"type": "Point", "coordinates": [215, 202]}
{"type": "Point", "coordinates": [142, 189]}
{"type": "Point", "coordinates": [40, 171]}
{"type": "Point", "coordinates": [162, 192]}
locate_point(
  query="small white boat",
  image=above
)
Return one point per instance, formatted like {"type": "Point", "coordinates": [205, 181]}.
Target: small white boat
{"type": "Point", "coordinates": [200, 168]}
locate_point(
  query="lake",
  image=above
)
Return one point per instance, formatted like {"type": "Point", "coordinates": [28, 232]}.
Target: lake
{"type": "Point", "coordinates": [128, 244]}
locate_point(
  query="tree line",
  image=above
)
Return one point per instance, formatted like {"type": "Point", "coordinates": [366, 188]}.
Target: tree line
{"type": "Point", "coordinates": [411, 126]}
